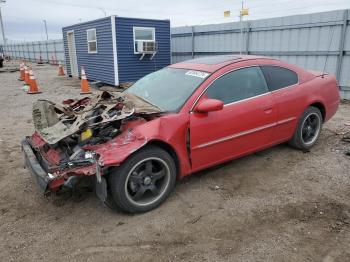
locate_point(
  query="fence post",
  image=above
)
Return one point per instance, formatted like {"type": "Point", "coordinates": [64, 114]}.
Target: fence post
{"type": "Point", "coordinates": [341, 45]}
{"type": "Point", "coordinates": [192, 41]}
{"type": "Point", "coordinates": [39, 50]}
{"type": "Point", "coordinates": [34, 52]}
{"type": "Point", "coordinates": [24, 52]}
{"type": "Point", "coordinates": [31, 51]}
{"type": "Point", "coordinates": [28, 51]}
{"type": "Point", "coordinates": [47, 52]}
{"type": "Point", "coordinates": [247, 38]}
{"type": "Point", "coordinates": [54, 50]}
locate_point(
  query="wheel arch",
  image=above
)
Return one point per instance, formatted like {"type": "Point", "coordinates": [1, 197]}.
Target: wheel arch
{"type": "Point", "coordinates": [319, 105]}
{"type": "Point", "coordinates": [167, 147]}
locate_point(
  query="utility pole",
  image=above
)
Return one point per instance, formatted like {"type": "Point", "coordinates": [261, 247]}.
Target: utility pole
{"type": "Point", "coordinates": [242, 12]}
{"type": "Point", "coordinates": [2, 23]}
{"type": "Point", "coordinates": [45, 24]}
{"type": "Point", "coordinates": [103, 10]}
{"type": "Point", "coordinates": [241, 26]}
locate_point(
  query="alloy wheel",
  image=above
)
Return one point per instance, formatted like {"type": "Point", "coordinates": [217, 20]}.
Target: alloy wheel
{"type": "Point", "coordinates": [147, 181]}
{"type": "Point", "coordinates": [310, 128]}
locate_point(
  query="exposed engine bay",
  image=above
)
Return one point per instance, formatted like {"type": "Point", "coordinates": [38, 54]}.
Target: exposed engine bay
{"type": "Point", "coordinates": [69, 138]}
{"type": "Point", "coordinates": [89, 120]}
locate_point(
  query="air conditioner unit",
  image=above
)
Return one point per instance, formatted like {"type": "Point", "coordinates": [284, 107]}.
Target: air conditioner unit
{"type": "Point", "coordinates": [146, 47]}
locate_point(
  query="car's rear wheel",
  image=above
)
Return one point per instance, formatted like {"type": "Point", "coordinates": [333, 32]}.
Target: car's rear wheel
{"type": "Point", "coordinates": [308, 130]}
{"type": "Point", "coordinates": [143, 181]}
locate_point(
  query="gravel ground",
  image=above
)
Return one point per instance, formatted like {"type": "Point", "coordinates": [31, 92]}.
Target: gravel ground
{"type": "Point", "coordinates": [276, 205]}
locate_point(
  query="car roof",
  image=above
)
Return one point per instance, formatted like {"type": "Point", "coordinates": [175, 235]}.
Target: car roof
{"type": "Point", "coordinates": [212, 63]}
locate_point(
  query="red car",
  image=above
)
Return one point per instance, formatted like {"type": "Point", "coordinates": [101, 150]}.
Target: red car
{"type": "Point", "coordinates": [174, 122]}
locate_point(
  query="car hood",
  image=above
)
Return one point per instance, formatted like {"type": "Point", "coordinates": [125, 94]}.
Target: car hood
{"type": "Point", "coordinates": [83, 117]}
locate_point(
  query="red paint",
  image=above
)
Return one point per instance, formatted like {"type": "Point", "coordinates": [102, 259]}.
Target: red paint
{"type": "Point", "coordinates": [53, 156]}
{"type": "Point", "coordinates": [118, 149]}
{"type": "Point", "coordinates": [241, 128]}
{"type": "Point", "coordinates": [37, 141]}
{"type": "Point", "coordinates": [209, 105]}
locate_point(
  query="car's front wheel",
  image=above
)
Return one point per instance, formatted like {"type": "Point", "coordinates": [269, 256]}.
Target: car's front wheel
{"type": "Point", "coordinates": [308, 129]}
{"type": "Point", "coordinates": [144, 180]}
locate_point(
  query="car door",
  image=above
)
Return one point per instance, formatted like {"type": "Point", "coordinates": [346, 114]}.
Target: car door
{"type": "Point", "coordinates": [284, 86]}
{"type": "Point", "coordinates": [245, 123]}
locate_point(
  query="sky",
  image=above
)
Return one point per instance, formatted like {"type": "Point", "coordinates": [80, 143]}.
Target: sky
{"type": "Point", "coordinates": [23, 19]}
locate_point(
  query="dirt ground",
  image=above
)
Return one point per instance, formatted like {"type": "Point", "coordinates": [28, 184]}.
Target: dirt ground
{"type": "Point", "coordinates": [277, 205]}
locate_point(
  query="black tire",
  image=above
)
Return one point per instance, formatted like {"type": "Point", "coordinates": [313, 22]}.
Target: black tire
{"type": "Point", "coordinates": [306, 136]}
{"type": "Point", "coordinates": [133, 177]}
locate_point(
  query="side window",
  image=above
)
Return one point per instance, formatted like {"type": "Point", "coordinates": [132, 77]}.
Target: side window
{"type": "Point", "coordinates": [91, 40]}
{"type": "Point", "coordinates": [143, 34]}
{"type": "Point", "coordinates": [279, 77]}
{"type": "Point", "coordinates": [238, 85]}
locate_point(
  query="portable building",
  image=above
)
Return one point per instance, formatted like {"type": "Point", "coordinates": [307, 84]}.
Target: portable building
{"type": "Point", "coordinates": [116, 50]}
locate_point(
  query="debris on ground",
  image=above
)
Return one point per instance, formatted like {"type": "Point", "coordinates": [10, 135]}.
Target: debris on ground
{"type": "Point", "coordinates": [346, 139]}
{"type": "Point", "coordinates": [214, 188]}
{"type": "Point", "coordinates": [9, 70]}
{"type": "Point", "coordinates": [125, 85]}
{"type": "Point", "coordinates": [96, 84]}
{"type": "Point", "coordinates": [195, 220]}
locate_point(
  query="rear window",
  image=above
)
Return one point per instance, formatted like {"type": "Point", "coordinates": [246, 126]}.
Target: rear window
{"type": "Point", "coordinates": [279, 77]}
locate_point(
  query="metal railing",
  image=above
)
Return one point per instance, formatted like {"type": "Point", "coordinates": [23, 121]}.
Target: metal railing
{"type": "Point", "coordinates": [50, 51]}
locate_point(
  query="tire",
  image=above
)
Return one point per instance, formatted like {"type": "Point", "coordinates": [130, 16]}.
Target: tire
{"type": "Point", "coordinates": [143, 181]}
{"type": "Point", "coordinates": [308, 129]}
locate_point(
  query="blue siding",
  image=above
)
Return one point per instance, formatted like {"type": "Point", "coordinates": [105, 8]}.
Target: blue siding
{"type": "Point", "coordinates": [99, 66]}
{"type": "Point", "coordinates": [130, 68]}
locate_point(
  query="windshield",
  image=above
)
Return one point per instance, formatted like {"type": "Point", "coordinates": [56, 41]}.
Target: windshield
{"type": "Point", "coordinates": [168, 88]}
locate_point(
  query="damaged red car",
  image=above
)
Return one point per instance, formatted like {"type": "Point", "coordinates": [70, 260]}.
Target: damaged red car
{"type": "Point", "coordinates": [174, 122]}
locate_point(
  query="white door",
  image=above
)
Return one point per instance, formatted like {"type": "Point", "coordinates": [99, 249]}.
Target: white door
{"type": "Point", "coordinates": [72, 54]}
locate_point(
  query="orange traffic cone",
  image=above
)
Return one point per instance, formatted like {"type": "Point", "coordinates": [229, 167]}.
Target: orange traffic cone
{"type": "Point", "coordinates": [33, 87]}
{"type": "Point", "coordinates": [26, 75]}
{"type": "Point", "coordinates": [84, 84]}
{"type": "Point", "coordinates": [60, 70]}
{"type": "Point", "coordinates": [21, 72]}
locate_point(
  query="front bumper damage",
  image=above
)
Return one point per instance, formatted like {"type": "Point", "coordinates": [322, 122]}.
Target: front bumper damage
{"type": "Point", "coordinates": [84, 138]}
{"type": "Point", "coordinates": [40, 176]}
{"type": "Point", "coordinates": [48, 182]}
{"type": "Point", "coordinates": [49, 179]}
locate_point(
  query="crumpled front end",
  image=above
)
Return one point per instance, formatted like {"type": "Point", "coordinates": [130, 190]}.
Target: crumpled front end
{"type": "Point", "coordinates": [75, 139]}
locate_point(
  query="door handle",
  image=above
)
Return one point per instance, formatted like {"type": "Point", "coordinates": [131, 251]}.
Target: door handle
{"type": "Point", "coordinates": [268, 110]}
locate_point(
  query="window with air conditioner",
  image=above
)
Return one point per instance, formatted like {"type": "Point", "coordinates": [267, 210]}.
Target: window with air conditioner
{"type": "Point", "coordinates": [91, 40]}
{"type": "Point", "coordinates": [144, 40]}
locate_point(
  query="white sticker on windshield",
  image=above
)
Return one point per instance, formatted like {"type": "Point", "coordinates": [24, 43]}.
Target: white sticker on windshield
{"type": "Point", "coordinates": [197, 74]}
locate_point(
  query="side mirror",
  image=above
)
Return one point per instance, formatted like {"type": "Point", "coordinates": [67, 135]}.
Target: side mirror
{"type": "Point", "coordinates": [209, 105]}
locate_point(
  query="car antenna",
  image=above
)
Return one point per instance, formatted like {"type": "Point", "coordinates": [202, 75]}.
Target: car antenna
{"type": "Point", "coordinates": [329, 47]}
